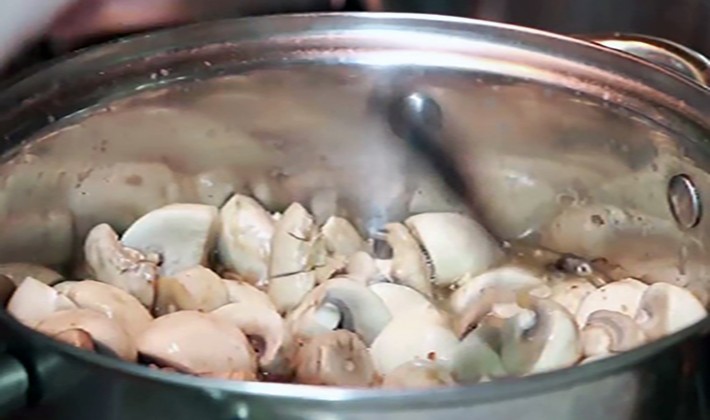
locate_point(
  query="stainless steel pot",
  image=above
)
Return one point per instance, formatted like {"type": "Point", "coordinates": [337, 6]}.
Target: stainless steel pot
{"type": "Point", "coordinates": [295, 108]}
{"type": "Point", "coordinates": [683, 21]}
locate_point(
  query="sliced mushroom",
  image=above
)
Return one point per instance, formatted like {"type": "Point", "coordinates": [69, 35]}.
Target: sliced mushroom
{"type": "Point", "coordinates": [571, 293]}
{"type": "Point", "coordinates": [182, 234]}
{"type": "Point", "coordinates": [197, 288]}
{"type": "Point", "coordinates": [622, 296]}
{"type": "Point", "coordinates": [418, 374]}
{"type": "Point", "coordinates": [543, 338]}
{"type": "Point", "coordinates": [76, 337]}
{"type": "Point", "coordinates": [360, 310]}
{"type": "Point", "coordinates": [103, 331]}
{"type": "Point", "coordinates": [610, 332]}
{"type": "Point", "coordinates": [198, 343]}
{"type": "Point", "coordinates": [477, 356]}
{"type": "Point", "coordinates": [288, 291]}
{"type": "Point", "coordinates": [414, 335]}
{"type": "Point", "coordinates": [665, 309]}
{"type": "Point", "coordinates": [245, 238]}
{"type": "Point", "coordinates": [336, 358]}
{"type": "Point", "coordinates": [399, 299]}
{"type": "Point", "coordinates": [365, 269]}
{"type": "Point", "coordinates": [332, 265]}
{"type": "Point", "coordinates": [341, 237]}
{"type": "Point", "coordinates": [455, 244]}
{"type": "Point", "coordinates": [111, 301]}
{"type": "Point", "coordinates": [296, 245]}
{"type": "Point", "coordinates": [409, 264]}
{"type": "Point", "coordinates": [496, 300]}
{"type": "Point", "coordinates": [259, 322]}
{"type": "Point", "coordinates": [34, 301]}
{"type": "Point", "coordinates": [19, 271]}
{"type": "Point", "coordinates": [238, 291]}
{"type": "Point", "coordinates": [506, 277]}
{"type": "Point", "coordinates": [111, 262]}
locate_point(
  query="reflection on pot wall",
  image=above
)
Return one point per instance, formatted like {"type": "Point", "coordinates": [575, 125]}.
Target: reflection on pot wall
{"type": "Point", "coordinates": [683, 21]}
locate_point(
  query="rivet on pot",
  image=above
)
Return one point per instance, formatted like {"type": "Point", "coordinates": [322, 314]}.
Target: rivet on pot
{"type": "Point", "coordinates": [684, 201]}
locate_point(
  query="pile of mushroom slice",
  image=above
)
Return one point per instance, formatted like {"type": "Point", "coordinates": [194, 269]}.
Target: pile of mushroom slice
{"type": "Point", "coordinates": [240, 293]}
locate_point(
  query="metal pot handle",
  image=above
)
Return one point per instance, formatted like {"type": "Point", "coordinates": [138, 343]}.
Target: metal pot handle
{"type": "Point", "coordinates": [659, 51]}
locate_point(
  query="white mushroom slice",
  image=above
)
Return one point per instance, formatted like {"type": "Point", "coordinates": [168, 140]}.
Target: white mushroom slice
{"type": "Point", "coordinates": [245, 235]}
{"type": "Point", "coordinates": [103, 331]}
{"type": "Point", "coordinates": [296, 245]}
{"type": "Point", "coordinates": [198, 343]}
{"type": "Point", "coordinates": [336, 358]}
{"type": "Point", "coordinates": [34, 301]}
{"type": "Point", "coordinates": [495, 300]}
{"type": "Point", "coordinates": [665, 309]}
{"type": "Point", "coordinates": [111, 301]}
{"type": "Point", "coordinates": [476, 356]}
{"type": "Point", "coordinates": [541, 339]}
{"type": "Point", "coordinates": [413, 335]}
{"type": "Point", "coordinates": [182, 234]}
{"type": "Point", "coordinates": [570, 293]}
{"type": "Point", "coordinates": [331, 266]}
{"type": "Point", "coordinates": [507, 277]}
{"type": "Point", "coordinates": [287, 291]}
{"type": "Point", "coordinates": [409, 264]}
{"type": "Point", "coordinates": [455, 244]}
{"type": "Point", "coordinates": [398, 298]}
{"type": "Point", "coordinates": [610, 332]}
{"type": "Point", "coordinates": [111, 262]}
{"type": "Point", "coordinates": [365, 269]}
{"type": "Point", "coordinates": [19, 271]}
{"type": "Point", "coordinates": [341, 237]}
{"type": "Point", "coordinates": [238, 291]}
{"type": "Point", "coordinates": [77, 338]}
{"type": "Point", "coordinates": [360, 310]}
{"type": "Point", "coordinates": [257, 321]}
{"type": "Point", "coordinates": [197, 288]}
{"type": "Point", "coordinates": [622, 296]}
{"type": "Point", "coordinates": [418, 374]}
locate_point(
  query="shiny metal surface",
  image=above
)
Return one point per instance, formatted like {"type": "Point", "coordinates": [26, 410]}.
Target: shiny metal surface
{"type": "Point", "coordinates": [291, 108]}
{"type": "Point", "coordinates": [682, 21]}
{"type": "Point", "coordinates": [14, 383]}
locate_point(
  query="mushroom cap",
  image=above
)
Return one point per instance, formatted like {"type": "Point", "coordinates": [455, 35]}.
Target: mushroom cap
{"type": "Point", "coordinates": [416, 334]}
{"type": "Point", "coordinates": [622, 296]}
{"type": "Point", "coordinates": [245, 234]}
{"type": "Point", "coordinates": [19, 271]}
{"type": "Point", "coordinates": [398, 298]}
{"type": "Point", "coordinates": [363, 268]}
{"type": "Point", "coordinates": [418, 374]}
{"type": "Point", "coordinates": [455, 244]}
{"type": "Point", "coordinates": [296, 246]}
{"type": "Point", "coordinates": [238, 291]}
{"type": "Point", "coordinates": [34, 301]}
{"type": "Point", "coordinates": [665, 309]}
{"type": "Point", "coordinates": [341, 237]}
{"type": "Point", "coordinates": [76, 337]}
{"type": "Point", "coordinates": [103, 330]}
{"type": "Point", "coordinates": [111, 301]}
{"type": "Point", "coordinates": [505, 277]}
{"type": "Point", "coordinates": [182, 234]}
{"type": "Point", "coordinates": [360, 310]}
{"type": "Point", "coordinates": [196, 288]}
{"type": "Point", "coordinates": [286, 292]}
{"type": "Point", "coordinates": [476, 356]}
{"type": "Point", "coordinates": [610, 332]}
{"type": "Point", "coordinates": [111, 262]}
{"type": "Point", "coordinates": [336, 358]}
{"type": "Point", "coordinates": [409, 263]}
{"type": "Point", "coordinates": [256, 320]}
{"type": "Point", "coordinates": [571, 293]}
{"type": "Point", "coordinates": [541, 339]}
{"type": "Point", "coordinates": [197, 343]}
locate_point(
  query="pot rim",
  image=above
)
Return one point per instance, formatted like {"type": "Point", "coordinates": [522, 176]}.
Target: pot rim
{"type": "Point", "coordinates": [694, 97]}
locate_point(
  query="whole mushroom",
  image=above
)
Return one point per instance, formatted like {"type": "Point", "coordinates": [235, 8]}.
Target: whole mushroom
{"type": "Point", "coordinates": [111, 262]}
{"type": "Point", "coordinates": [336, 358]}
{"type": "Point", "coordinates": [245, 235]}
{"type": "Point", "coordinates": [182, 235]}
